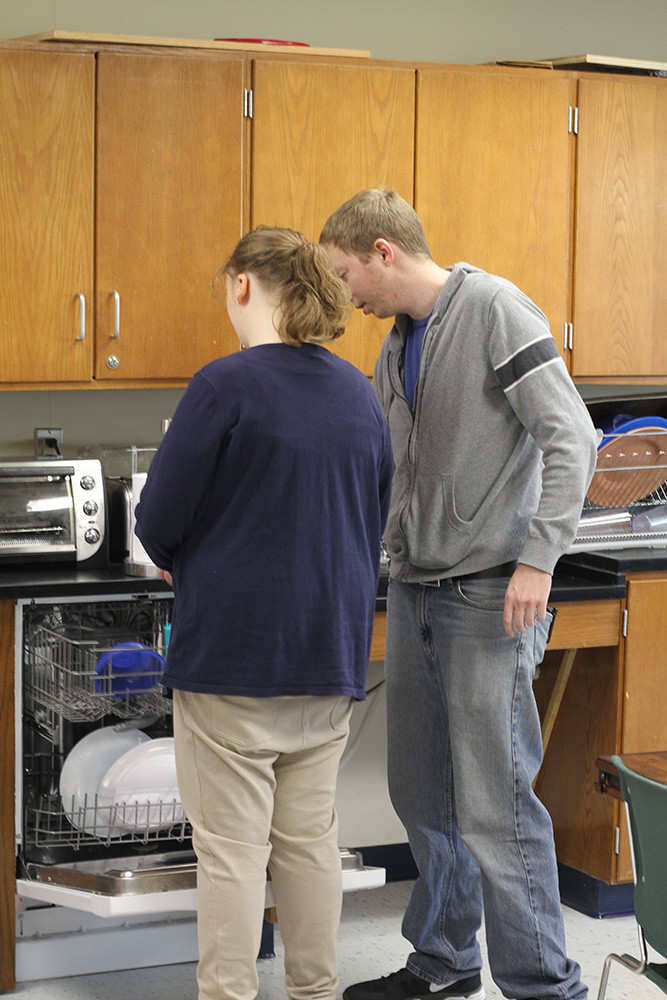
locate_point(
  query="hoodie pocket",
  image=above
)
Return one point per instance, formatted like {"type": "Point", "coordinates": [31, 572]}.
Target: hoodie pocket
{"type": "Point", "coordinates": [436, 535]}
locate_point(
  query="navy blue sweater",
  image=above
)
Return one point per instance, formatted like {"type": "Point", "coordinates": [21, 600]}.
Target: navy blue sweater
{"type": "Point", "coordinates": [266, 501]}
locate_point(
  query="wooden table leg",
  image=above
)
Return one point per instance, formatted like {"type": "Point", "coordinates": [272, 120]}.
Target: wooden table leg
{"type": "Point", "coordinates": [556, 698]}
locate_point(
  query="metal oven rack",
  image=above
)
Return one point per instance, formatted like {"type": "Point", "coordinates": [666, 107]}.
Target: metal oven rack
{"type": "Point", "coordinates": [626, 502]}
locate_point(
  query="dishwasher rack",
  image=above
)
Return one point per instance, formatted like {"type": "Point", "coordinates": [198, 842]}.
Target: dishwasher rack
{"type": "Point", "coordinates": [51, 824]}
{"type": "Point", "coordinates": [626, 502]}
{"type": "Point", "coordinates": [65, 699]}
{"type": "Point", "coordinates": [61, 649]}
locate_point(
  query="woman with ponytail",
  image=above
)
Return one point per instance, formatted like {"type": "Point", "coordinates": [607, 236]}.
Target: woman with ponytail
{"type": "Point", "coordinates": [264, 508]}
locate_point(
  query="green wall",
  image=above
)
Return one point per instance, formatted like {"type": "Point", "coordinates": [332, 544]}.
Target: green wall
{"type": "Point", "coordinates": [464, 31]}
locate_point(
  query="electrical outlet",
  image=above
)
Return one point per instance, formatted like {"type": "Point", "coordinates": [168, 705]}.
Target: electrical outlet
{"type": "Point", "coordinates": [48, 442]}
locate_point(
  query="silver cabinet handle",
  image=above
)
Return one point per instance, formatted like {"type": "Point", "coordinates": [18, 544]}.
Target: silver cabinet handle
{"type": "Point", "coordinates": [82, 315]}
{"type": "Point", "coordinates": [116, 316]}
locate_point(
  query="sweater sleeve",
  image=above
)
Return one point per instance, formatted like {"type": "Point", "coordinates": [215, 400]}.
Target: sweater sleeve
{"type": "Point", "coordinates": [181, 473]}
{"type": "Point", "coordinates": [541, 393]}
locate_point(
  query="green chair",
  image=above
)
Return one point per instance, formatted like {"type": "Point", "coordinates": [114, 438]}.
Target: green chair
{"type": "Point", "coordinates": [646, 805]}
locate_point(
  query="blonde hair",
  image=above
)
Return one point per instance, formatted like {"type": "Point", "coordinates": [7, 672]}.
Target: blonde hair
{"type": "Point", "coordinates": [314, 303]}
{"type": "Point", "coordinates": [375, 214]}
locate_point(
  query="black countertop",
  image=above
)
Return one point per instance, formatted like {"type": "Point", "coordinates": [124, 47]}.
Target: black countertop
{"type": "Point", "coordinates": [613, 564]}
{"type": "Point", "coordinates": [58, 582]}
{"type": "Point", "coordinates": [591, 576]}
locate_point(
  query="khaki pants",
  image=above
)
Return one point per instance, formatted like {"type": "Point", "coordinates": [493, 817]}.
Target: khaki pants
{"type": "Point", "coordinates": [257, 778]}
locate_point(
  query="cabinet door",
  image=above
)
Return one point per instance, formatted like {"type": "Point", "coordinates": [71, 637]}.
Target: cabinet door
{"type": "Point", "coordinates": [46, 223]}
{"type": "Point", "coordinates": [320, 133]}
{"type": "Point", "coordinates": [644, 725]}
{"type": "Point", "coordinates": [493, 177]}
{"type": "Point", "coordinates": [169, 209]}
{"type": "Point", "coordinates": [620, 291]}
{"type": "Point", "coordinates": [644, 716]}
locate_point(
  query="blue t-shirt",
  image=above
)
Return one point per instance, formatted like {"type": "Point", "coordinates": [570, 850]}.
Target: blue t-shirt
{"type": "Point", "coordinates": [413, 350]}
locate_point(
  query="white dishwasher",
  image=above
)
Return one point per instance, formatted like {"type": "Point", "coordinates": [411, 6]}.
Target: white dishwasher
{"type": "Point", "coordinates": [122, 871]}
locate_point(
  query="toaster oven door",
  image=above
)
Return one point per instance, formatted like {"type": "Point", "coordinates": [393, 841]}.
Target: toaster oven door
{"type": "Point", "coordinates": [36, 518]}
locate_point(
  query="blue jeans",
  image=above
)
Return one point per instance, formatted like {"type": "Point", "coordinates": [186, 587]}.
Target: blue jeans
{"type": "Point", "coordinates": [464, 747]}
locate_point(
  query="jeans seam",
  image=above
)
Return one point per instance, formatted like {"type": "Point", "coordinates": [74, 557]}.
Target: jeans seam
{"type": "Point", "coordinates": [517, 824]}
{"type": "Point", "coordinates": [449, 804]}
{"type": "Point", "coordinates": [425, 633]}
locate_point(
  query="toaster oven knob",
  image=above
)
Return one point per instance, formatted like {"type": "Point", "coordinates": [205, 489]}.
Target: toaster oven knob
{"type": "Point", "coordinates": [90, 507]}
{"type": "Point", "coordinates": [87, 483]}
{"type": "Point", "coordinates": [92, 536]}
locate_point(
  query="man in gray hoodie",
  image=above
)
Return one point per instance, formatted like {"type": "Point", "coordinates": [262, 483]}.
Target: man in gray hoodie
{"type": "Point", "coordinates": [494, 451]}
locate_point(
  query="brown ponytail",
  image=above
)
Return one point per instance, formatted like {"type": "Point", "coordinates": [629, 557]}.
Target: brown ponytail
{"type": "Point", "coordinates": [314, 301]}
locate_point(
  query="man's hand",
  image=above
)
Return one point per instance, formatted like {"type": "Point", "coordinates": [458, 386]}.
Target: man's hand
{"type": "Point", "coordinates": [526, 598]}
{"type": "Point", "coordinates": [165, 575]}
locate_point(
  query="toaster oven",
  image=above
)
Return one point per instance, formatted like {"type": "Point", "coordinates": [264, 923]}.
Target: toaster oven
{"type": "Point", "coordinates": [53, 511]}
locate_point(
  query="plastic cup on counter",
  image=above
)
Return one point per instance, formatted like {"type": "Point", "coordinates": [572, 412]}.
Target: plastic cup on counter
{"type": "Point", "coordinates": [602, 522]}
{"type": "Point", "coordinates": [651, 519]}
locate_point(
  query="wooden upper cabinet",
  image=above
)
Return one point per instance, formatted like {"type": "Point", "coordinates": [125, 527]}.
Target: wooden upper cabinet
{"type": "Point", "coordinates": [620, 289]}
{"type": "Point", "coordinates": [320, 133]}
{"type": "Point", "coordinates": [46, 222]}
{"type": "Point", "coordinates": [493, 177]}
{"type": "Point", "coordinates": [170, 168]}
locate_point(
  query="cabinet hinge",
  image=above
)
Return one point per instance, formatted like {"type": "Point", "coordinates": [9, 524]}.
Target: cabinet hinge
{"type": "Point", "coordinates": [247, 103]}
{"type": "Point", "coordinates": [617, 840]}
{"type": "Point", "coordinates": [573, 120]}
{"type": "Point", "coordinates": [567, 336]}
{"type": "Point", "coordinates": [624, 627]}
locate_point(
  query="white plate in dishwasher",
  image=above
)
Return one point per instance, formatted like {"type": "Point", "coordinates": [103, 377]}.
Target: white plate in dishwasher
{"type": "Point", "coordinates": [141, 789]}
{"type": "Point", "coordinates": [84, 767]}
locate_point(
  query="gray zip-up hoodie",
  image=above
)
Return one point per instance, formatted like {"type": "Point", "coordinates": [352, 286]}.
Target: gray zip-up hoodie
{"type": "Point", "coordinates": [494, 461]}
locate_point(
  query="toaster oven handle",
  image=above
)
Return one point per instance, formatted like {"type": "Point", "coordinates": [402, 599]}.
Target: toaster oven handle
{"type": "Point", "coordinates": [29, 471]}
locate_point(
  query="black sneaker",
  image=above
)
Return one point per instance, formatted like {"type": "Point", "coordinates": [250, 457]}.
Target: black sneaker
{"type": "Point", "coordinates": [404, 985]}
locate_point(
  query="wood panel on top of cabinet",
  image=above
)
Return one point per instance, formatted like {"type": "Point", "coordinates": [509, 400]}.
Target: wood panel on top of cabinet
{"type": "Point", "coordinates": [170, 187]}
{"type": "Point", "coordinates": [493, 177]}
{"type": "Point", "coordinates": [620, 291]}
{"type": "Point", "coordinates": [320, 133]}
{"type": "Point", "coordinates": [46, 224]}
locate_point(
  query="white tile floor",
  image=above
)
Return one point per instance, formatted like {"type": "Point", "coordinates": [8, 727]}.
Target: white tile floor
{"type": "Point", "coordinates": [370, 945]}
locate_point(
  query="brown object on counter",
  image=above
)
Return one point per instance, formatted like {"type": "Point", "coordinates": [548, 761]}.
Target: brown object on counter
{"type": "Point", "coordinates": [648, 765]}
{"type": "Point", "coordinates": [629, 468]}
